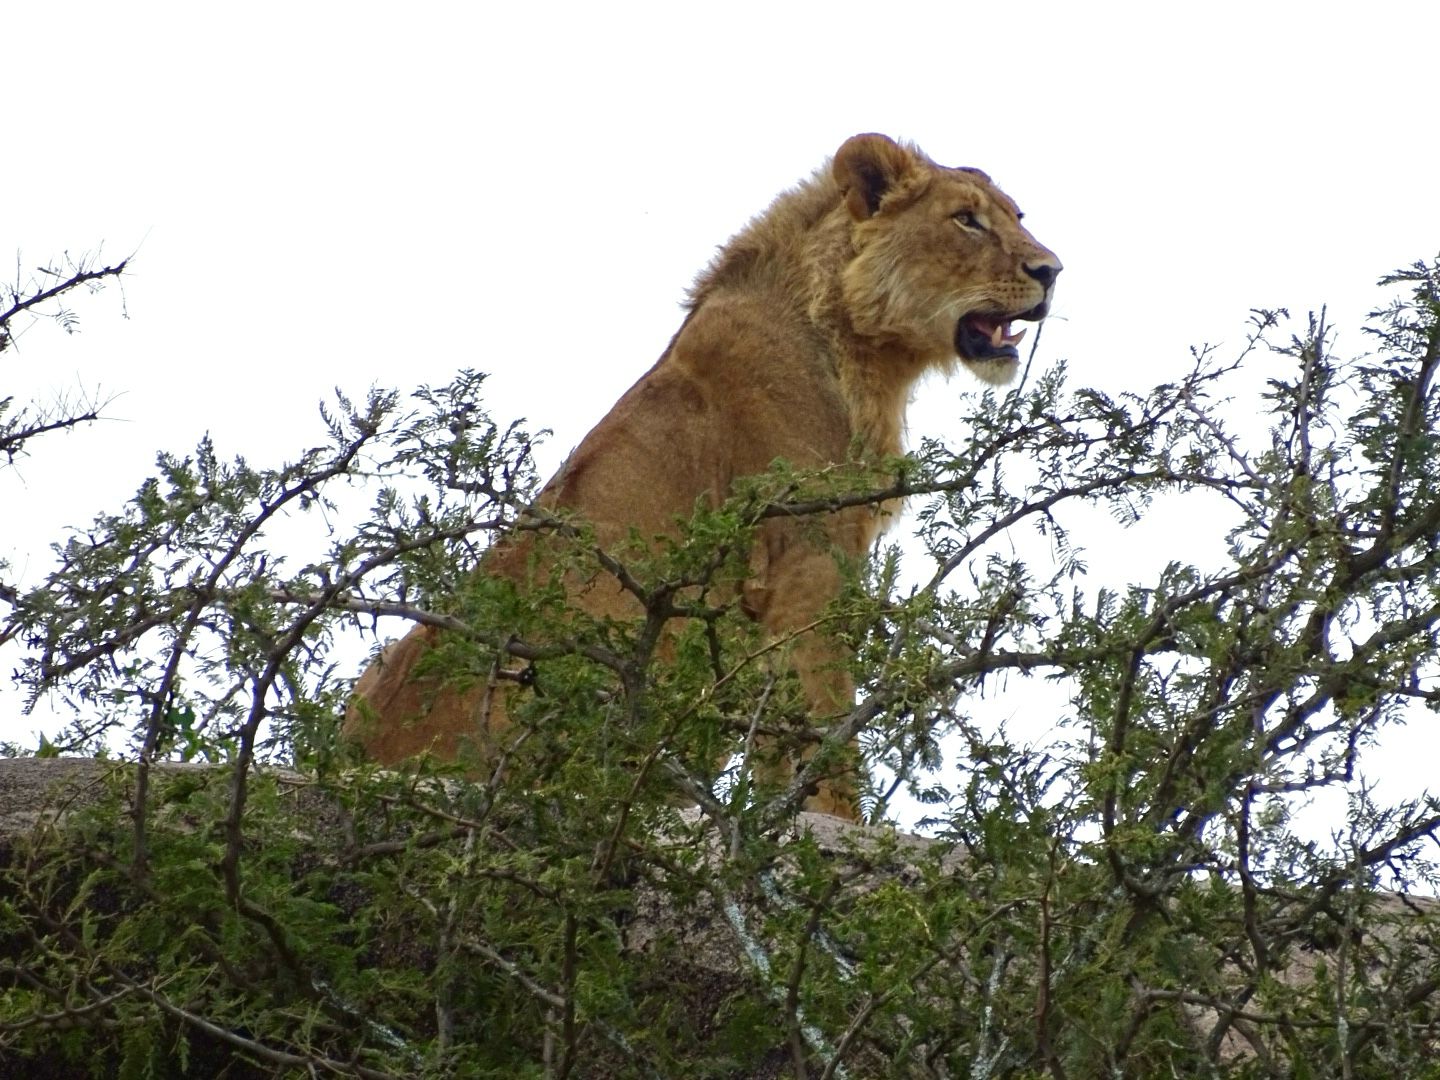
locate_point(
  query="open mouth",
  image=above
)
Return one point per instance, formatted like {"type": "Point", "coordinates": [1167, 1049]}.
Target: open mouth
{"type": "Point", "coordinates": [979, 336]}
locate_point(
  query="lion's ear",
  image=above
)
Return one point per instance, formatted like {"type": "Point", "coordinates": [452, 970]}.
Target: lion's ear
{"type": "Point", "coordinates": [866, 167]}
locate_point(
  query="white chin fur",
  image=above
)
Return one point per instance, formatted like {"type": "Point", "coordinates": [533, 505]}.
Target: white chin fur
{"type": "Point", "coordinates": [996, 372]}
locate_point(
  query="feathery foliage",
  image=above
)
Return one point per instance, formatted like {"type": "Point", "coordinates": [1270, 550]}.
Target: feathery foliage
{"type": "Point", "coordinates": [625, 895]}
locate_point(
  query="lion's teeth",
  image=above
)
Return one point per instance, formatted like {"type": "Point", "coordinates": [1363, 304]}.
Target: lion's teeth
{"type": "Point", "coordinates": [1001, 336]}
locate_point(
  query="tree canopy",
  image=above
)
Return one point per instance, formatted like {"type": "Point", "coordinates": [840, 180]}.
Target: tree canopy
{"type": "Point", "coordinates": [1131, 898]}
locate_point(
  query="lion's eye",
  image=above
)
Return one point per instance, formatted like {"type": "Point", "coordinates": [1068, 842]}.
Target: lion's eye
{"type": "Point", "coordinates": [967, 219]}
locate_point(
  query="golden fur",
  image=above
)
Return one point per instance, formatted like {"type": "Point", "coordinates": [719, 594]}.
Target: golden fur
{"type": "Point", "coordinates": [803, 341]}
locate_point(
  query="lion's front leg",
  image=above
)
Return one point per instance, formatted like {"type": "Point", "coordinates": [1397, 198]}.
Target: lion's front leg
{"type": "Point", "coordinates": [794, 580]}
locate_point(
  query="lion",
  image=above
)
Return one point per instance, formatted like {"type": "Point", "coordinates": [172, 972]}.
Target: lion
{"type": "Point", "coordinates": [802, 341]}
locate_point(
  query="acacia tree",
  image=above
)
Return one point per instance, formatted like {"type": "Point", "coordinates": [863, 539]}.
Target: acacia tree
{"type": "Point", "coordinates": [29, 299]}
{"type": "Point", "coordinates": [43, 295]}
{"type": "Point", "coordinates": [1129, 900]}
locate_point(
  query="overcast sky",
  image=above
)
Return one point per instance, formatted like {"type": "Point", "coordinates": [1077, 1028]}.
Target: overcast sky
{"type": "Point", "coordinates": [328, 194]}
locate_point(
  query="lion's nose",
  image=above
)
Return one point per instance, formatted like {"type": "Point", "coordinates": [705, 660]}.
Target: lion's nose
{"type": "Point", "coordinates": [1043, 272]}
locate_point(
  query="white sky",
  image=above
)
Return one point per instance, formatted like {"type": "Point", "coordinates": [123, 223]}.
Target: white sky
{"type": "Point", "coordinates": [337, 194]}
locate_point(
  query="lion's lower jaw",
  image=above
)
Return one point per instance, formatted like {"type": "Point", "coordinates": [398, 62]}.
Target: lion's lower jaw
{"type": "Point", "coordinates": [996, 370]}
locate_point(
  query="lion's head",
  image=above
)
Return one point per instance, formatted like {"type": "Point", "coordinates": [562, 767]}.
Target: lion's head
{"type": "Point", "coordinates": [942, 263]}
